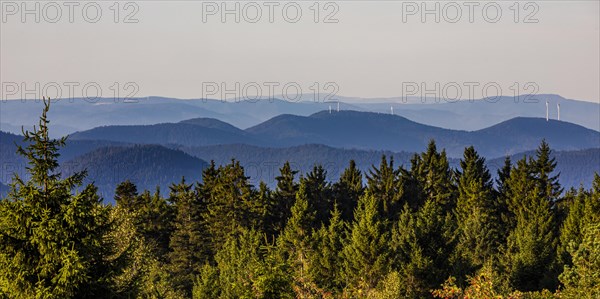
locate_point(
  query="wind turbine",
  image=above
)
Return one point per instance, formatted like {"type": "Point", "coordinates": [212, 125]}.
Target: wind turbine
{"type": "Point", "coordinates": [558, 108]}
{"type": "Point", "coordinates": [338, 106]}
{"type": "Point", "coordinates": [392, 109]}
{"type": "Point", "coordinates": [546, 110]}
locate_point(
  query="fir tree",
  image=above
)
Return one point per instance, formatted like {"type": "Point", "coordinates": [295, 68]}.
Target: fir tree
{"type": "Point", "coordinates": [325, 259]}
{"type": "Point", "coordinates": [296, 240]}
{"type": "Point", "coordinates": [543, 166]}
{"type": "Point", "coordinates": [348, 190]}
{"type": "Point", "coordinates": [383, 184]}
{"type": "Point", "coordinates": [126, 195]}
{"type": "Point", "coordinates": [318, 192]}
{"type": "Point", "coordinates": [366, 255]}
{"type": "Point", "coordinates": [283, 197]}
{"type": "Point", "coordinates": [477, 214]}
{"type": "Point", "coordinates": [51, 236]}
{"type": "Point", "coordinates": [231, 203]}
{"type": "Point", "coordinates": [531, 244]}
{"type": "Point", "coordinates": [189, 244]}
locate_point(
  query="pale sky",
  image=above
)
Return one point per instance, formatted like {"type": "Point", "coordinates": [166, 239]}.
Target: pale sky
{"type": "Point", "coordinates": [370, 52]}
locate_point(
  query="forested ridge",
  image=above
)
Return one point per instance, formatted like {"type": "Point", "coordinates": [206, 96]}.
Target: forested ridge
{"type": "Point", "coordinates": [421, 231]}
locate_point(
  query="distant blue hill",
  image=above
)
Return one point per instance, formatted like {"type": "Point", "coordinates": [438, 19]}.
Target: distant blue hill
{"type": "Point", "coordinates": [69, 116]}
{"type": "Point", "coordinates": [360, 130]}
{"type": "Point", "coordinates": [148, 166]}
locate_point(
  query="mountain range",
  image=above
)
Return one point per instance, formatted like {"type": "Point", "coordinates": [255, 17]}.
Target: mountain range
{"type": "Point", "coordinates": [168, 151]}
{"type": "Point", "coordinates": [359, 130]}
{"type": "Point", "coordinates": [71, 115]}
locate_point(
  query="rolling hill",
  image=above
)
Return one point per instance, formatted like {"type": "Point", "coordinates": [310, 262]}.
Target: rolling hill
{"type": "Point", "coordinates": [360, 130]}
{"type": "Point", "coordinates": [73, 115]}
{"type": "Point", "coordinates": [195, 132]}
{"type": "Point", "coordinates": [147, 166]}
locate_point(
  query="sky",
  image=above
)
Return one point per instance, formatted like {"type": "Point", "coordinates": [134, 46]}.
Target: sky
{"type": "Point", "coordinates": [192, 49]}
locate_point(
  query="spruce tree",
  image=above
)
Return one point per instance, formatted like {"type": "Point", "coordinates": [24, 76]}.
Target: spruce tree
{"type": "Point", "coordinates": [543, 167]}
{"type": "Point", "coordinates": [477, 215]}
{"type": "Point", "coordinates": [283, 197]}
{"type": "Point", "coordinates": [295, 242]}
{"type": "Point", "coordinates": [51, 236]}
{"type": "Point", "coordinates": [366, 254]}
{"type": "Point", "coordinates": [126, 195]}
{"type": "Point", "coordinates": [189, 243]}
{"type": "Point", "coordinates": [422, 247]}
{"type": "Point", "coordinates": [325, 259]}
{"type": "Point", "coordinates": [531, 244]}
{"type": "Point", "coordinates": [319, 195]}
{"type": "Point", "coordinates": [153, 217]}
{"type": "Point", "coordinates": [348, 190]}
{"type": "Point", "coordinates": [383, 184]}
{"type": "Point", "coordinates": [231, 202]}
{"type": "Point", "coordinates": [429, 177]}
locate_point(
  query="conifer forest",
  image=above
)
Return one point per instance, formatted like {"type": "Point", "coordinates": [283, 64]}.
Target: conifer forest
{"type": "Point", "coordinates": [425, 230]}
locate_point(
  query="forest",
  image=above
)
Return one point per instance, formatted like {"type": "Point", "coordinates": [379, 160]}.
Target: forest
{"type": "Point", "coordinates": [422, 231]}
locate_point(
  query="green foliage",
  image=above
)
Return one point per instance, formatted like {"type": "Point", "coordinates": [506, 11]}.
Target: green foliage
{"type": "Point", "coordinates": [383, 183]}
{"type": "Point", "coordinates": [582, 280]}
{"type": "Point", "coordinates": [189, 244]}
{"type": "Point", "coordinates": [348, 190]}
{"type": "Point", "coordinates": [422, 248]}
{"type": "Point", "coordinates": [295, 243]}
{"type": "Point", "coordinates": [318, 193]}
{"type": "Point", "coordinates": [51, 236]}
{"type": "Point", "coordinates": [283, 199]}
{"type": "Point", "coordinates": [230, 202]}
{"type": "Point", "coordinates": [245, 269]}
{"type": "Point", "coordinates": [400, 237]}
{"type": "Point", "coordinates": [478, 215]}
{"type": "Point", "coordinates": [366, 255]}
{"type": "Point", "coordinates": [325, 259]}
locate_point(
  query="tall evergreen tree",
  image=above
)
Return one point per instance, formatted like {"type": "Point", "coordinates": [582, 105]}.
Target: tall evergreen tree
{"type": "Point", "coordinates": [189, 243]}
{"type": "Point", "coordinates": [318, 192]}
{"type": "Point", "coordinates": [477, 213]}
{"type": "Point", "coordinates": [429, 177]}
{"type": "Point", "coordinates": [531, 243]}
{"type": "Point", "coordinates": [366, 254]}
{"type": "Point", "coordinates": [283, 197]}
{"type": "Point", "coordinates": [543, 167]}
{"type": "Point", "coordinates": [126, 195]}
{"type": "Point", "coordinates": [325, 258]}
{"type": "Point", "coordinates": [422, 246]}
{"type": "Point", "coordinates": [51, 236]}
{"type": "Point", "coordinates": [348, 190]}
{"type": "Point", "coordinates": [383, 184]}
{"type": "Point", "coordinates": [295, 242]}
{"type": "Point", "coordinates": [231, 203]}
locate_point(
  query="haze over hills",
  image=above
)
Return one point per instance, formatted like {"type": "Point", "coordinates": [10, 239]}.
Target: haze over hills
{"type": "Point", "coordinates": [147, 166]}
{"type": "Point", "coordinates": [181, 148]}
{"type": "Point", "coordinates": [73, 115]}
{"type": "Point", "coordinates": [361, 130]}
{"type": "Point", "coordinates": [152, 165]}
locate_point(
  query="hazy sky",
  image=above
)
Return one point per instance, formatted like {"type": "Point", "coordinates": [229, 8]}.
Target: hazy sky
{"type": "Point", "coordinates": [376, 48]}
